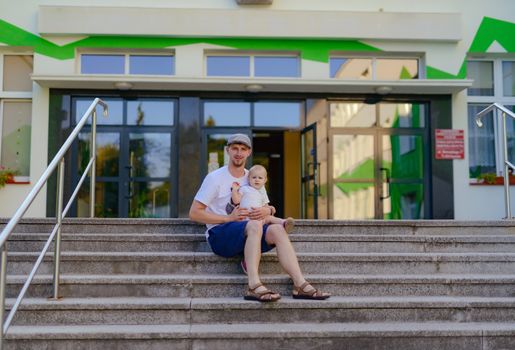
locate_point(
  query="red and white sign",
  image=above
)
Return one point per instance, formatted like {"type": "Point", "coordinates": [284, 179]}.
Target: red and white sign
{"type": "Point", "coordinates": [449, 144]}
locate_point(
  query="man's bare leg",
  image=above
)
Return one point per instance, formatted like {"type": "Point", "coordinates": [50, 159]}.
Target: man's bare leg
{"type": "Point", "coordinates": [276, 234]}
{"type": "Point", "coordinates": [285, 252]}
{"type": "Point", "coordinates": [252, 252]}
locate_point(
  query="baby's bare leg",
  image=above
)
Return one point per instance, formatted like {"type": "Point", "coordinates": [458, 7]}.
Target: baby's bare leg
{"type": "Point", "coordinates": [287, 223]}
{"type": "Point", "coordinates": [273, 220]}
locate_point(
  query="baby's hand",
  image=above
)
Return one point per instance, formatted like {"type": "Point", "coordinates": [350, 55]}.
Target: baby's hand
{"type": "Point", "coordinates": [235, 186]}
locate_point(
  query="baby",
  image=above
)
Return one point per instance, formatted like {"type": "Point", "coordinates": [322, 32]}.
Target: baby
{"type": "Point", "coordinates": [254, 195]}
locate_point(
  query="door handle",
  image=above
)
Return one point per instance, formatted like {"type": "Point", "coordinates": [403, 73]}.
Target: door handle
{"type": "Point", "coordinates": [130, 168]}
{"type": "Point", "coordinates": [387, 173]}
{"type": "Point", "coordinates": [316, 178]}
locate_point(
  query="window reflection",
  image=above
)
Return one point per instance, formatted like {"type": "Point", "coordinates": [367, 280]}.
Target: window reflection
{"type": "Point", "coordinates": [401, 115]}
{"type": "Point", "coordinates": [149, 154]}
{"type": "Point", "coordinates": [216, 155]}
{"type": "Point", "coordinates": [277, 114]}
{"type": "Point", "coordinates": [352, 114]}
{"type": "Point", "coordinates": [403, 156]}
{"type": "Point", "coordinates": [229, 66]}
{"type": "Point", "coordinates": [406, 202]}
{"type": "Point", "coordinates": [115, 116]}
{"type": "Point", "coordinates": [266, 66]}
{"type": "Point", "coordinates": [508, 78]}
{"type": "Point", "coordinates": [108, 153]}
{"type": "Point", "coordinates": [102, 64]}
{"type": "Point", "coordinates": [482, 72]}
{"type": "Point", "coordinates": [152, 65]}
{"type": "Point", "coordinates": [150, 200]}
{"type": "Point", "coordinates": [226, 114]}
{"type": "Point", "coordinates": [373, 68]}
{"type": "Point", "coordinates": [353, 157]}
{"type": "Point", "coordinates": [353, 201]}
{"type": "Point", "coordinates": [351, 68]}
{"type": "Point", "coordinates": [150, 112]}
{"type": "Point", "coordinates": [106, 200]}
{"type": "Point", "coordinates": [395, 69]}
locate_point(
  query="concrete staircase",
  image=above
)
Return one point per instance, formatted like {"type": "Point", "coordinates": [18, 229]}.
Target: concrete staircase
{"type": "Point", "coordinates": [153, 284]}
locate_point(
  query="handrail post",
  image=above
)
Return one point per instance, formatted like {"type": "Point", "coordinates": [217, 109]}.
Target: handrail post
{"type": "Point", "coordinates": [57, 244]}
{"type": "Point", "coordinates": [59, 164]}
{"type": "Point", "coordinates": [506, 170]}
{"type": "Point", "coordinates": [93, 155]}
{"type": "Point", "coordinates": [3, 282]}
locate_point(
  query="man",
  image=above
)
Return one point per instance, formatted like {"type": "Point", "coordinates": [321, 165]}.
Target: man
{"type": "Point", "coordinates": [232, 234]}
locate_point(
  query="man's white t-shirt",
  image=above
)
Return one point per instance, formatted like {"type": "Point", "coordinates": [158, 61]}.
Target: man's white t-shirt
{"type": "Point", "coordinates": [252, 198]}
{"type": "Point", "coordinates": [215, 191]}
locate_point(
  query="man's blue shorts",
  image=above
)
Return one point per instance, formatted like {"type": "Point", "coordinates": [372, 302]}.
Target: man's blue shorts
{"type": "Point", "coordinates": [228, 239]}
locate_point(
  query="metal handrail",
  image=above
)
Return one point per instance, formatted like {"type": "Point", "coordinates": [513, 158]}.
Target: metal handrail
{"type": "Point", "coordinates": [57, 162]}
{"type": "Point", "coordinates": [505, 111]}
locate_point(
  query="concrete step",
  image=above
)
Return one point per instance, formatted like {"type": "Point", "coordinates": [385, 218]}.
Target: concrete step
{"type": "Point", "coordinates": [337, 336]}
{"type": "Point", "coordinates": [311, 263]}
{"type": "Point", "coordinates": [91, 311]}
{"type": "Point", "coordinates": [361, 227]}
{"type": "Point", "coordinates": [328, 243]}
{"type": "Point", "coordinates": [218, 286]}
{"type": "Point", "coordinates": [117, 242]}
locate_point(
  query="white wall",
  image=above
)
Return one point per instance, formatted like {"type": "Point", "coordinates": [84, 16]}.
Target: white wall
{"type": "Point", "coordinates": [473, 201]}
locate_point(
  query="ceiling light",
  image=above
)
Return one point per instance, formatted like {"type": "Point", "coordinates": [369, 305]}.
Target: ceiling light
{"type": "Point", "coordinates": [383, 90]}
{"type": "Point", "coordinates": [254, 88]}
{"type": "Point", "coordinates": [123, 85]}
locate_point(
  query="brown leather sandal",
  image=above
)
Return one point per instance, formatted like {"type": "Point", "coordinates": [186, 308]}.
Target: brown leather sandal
{"type": "Point", "coordinates": [313, 294]}
{"type": "Point", "coordinates": [264, 296]}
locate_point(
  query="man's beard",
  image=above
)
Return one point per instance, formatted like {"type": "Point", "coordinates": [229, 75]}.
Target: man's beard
{"type": "Point", "coordinates": [238, 162]}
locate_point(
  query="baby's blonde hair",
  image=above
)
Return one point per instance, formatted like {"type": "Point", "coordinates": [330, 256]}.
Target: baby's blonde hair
{"type": "Point", "coordinates": [257, 168]}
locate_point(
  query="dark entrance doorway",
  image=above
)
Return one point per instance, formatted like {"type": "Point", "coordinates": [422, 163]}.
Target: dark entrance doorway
{"type": "Point", "coordinates": [268, 147]}
{"type": "Point", "coordinates": [268, 152]}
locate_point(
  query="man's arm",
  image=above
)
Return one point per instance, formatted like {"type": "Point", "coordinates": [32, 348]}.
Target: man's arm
{"type": "Point", "coordinates": [198, 213]}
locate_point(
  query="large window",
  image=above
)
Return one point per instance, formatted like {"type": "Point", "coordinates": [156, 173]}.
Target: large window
{"type": "Point", "coordinates": [373, 68]}
{"type": "Point", "coordinates": [260, 114]}
{"type": "Point", "coordinates": [123, 63]}
{"type": "Point", "coordinates": [493, 82]}
{"type": "Point", "coordinates": [238, 65]}
{"type": "Point", "coordinates": [15, 112]}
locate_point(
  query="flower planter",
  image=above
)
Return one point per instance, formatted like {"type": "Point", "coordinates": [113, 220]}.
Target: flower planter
{"type": "Point", "coordinates": [497, 181]}
{"type": "Point", "coordinates": [10, 179]}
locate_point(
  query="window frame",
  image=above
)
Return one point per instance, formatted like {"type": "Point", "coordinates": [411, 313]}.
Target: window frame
{"type": "Point", "coordinates": [13, 96]}
{"type": "Point", "coordinates": [421, 66]}
{"type": "Point", "coordinates": [126, 54]}
{"type": "Point", "coordinates": [498, 97]}
{"type": "Point", "coordinates": [251, 56]}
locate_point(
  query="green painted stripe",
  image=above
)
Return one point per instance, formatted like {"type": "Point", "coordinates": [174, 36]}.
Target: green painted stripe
{"type": "Point", "coordinates": [489, 30]}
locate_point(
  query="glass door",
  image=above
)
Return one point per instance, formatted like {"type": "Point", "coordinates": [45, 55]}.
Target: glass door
{"type": "Point", "coordinates": [135, 159]}
{"type": "Point", "coordinates": [147, 174]}
{"type": "Point", "coordinates": [309, 175]}
{"type": "Point", "coordinates": [380, 165]}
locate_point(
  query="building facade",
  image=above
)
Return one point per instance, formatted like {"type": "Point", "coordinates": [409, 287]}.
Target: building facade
{"type": "Point", "coordinates": [359, 110]}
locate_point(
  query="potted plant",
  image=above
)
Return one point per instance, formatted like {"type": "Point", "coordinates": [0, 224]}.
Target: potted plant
{"type": "Point", "coordinates": [6, 176]}
{"type": "Point", "coordinates": [493, 179]}
{"type": "Point", "coordinates": [487, 178]}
